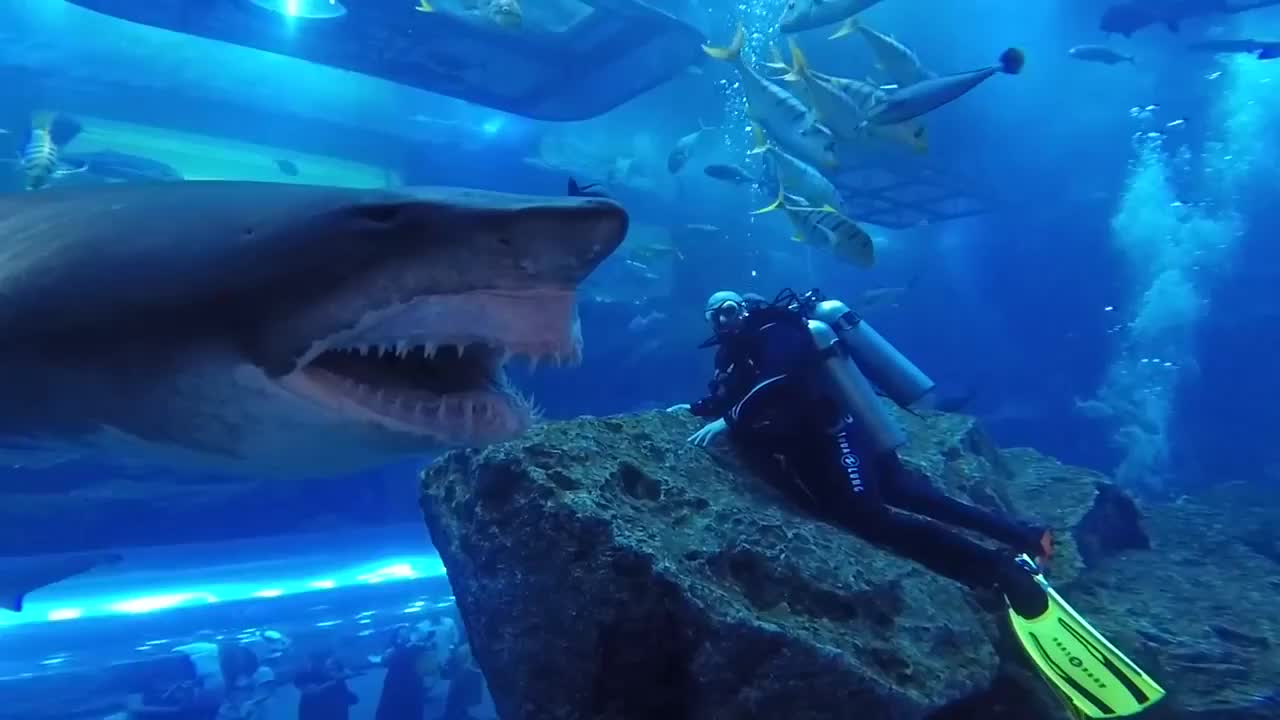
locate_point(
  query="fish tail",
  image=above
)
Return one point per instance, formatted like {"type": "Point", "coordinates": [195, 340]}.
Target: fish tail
{"type": "Point", "coordinates": [773, 205]}
{"type": "Point", "coordinates": [63, 129]}
{"type": "Point", "coordinates": [424, 6]}
{"type": "Point", "coordinates": [777, 61]}
{"type": "Point", "coordinates": [762, 144]}
{"type": "Point", "coordinates": [799, 66]}
{"type": "Point", "coordinates": [41, 119]}
{"type": "Point", "coordinates": [732, 53]}
{"type": "Point", "coordinates": [848, 27]}
{"type": "Point", "coordinates": [1012, 60]}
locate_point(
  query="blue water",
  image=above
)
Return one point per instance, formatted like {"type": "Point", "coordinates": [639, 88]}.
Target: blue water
{"type": "Point", "coordinates": [1115, 306]}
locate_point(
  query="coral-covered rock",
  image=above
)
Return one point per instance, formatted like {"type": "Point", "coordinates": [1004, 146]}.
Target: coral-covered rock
{"type": "Point", "coordinates": [605, 569]}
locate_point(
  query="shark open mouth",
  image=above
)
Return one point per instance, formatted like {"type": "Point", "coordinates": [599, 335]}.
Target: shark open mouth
{"type": "Point", "coordinates": [434, 366]}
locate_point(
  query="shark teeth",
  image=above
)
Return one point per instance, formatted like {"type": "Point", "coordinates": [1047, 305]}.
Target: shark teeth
{"type": "Point", "coordinates": [534, 355]}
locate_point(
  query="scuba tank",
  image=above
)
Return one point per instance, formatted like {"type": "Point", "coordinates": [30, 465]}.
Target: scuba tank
{"type": "Point", "coordinates": [857, 360]}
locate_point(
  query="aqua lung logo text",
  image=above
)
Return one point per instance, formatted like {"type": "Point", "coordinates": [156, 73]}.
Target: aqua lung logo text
{"type": "Point", "coordinates": [850, 462]}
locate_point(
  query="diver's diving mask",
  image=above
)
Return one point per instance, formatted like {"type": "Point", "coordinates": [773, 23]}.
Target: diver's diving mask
{"type": "Point", "coordinates": [725, 316]}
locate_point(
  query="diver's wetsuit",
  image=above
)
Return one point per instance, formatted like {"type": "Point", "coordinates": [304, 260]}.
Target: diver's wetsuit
{"type": "Point", "coordinates": [770, 389]}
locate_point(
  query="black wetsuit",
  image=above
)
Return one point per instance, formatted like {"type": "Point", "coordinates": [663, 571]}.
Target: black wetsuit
{"type": "Point", "coordinates": [771, 390]}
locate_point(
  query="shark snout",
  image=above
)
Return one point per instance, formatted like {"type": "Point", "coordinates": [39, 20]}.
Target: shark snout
{"type": "Point", "coordinates": [559, 246]}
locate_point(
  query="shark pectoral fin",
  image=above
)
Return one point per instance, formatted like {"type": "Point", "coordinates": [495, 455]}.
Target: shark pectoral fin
{"type": "Point", "coordinates": [22, 576]}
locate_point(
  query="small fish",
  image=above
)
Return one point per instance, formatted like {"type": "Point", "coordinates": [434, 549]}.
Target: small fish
{"type": "Point", "coordinates": [1100, 54]}
{"type": "Point", "coordinates": [860, 94]}
{"type": "Point", "coordinates": [1143, 112]}
{"type": "Point", "coordinates": [787, 120]}
{"type": "Point", "coordinates": [590, 190]}
{"type": "Point", "coordinates": [288, 167]}
{"type": "Point", "coordinates": [730, 174]}
{"type": "Point", "coordinates": [701, 228]}
{"type": "Point", "coordinates": [824, 226]}
{"type": "Point", "coordinates": [50, 133]}
{"type": "Point", "coordinates": [880, 297]}
{"type": "Point", "coordinates": [893, 58]}
{"type": "Point", "coordinates": [642, 322]}
{"type": "Point", "coordinates": [801, 15]}
{"type": "Point", "coordinates": [844, 113]}
{"type": "Point", "coordinates": [795, 177]}
{"type": "Point", "coordinates": [928, 95]}
{"type": "Point", "coordinates": [1262, 49]}
{"type": "Point", "coordinates": [683, 149]}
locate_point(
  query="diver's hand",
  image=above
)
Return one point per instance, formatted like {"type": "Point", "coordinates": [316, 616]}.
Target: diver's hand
{"type": "Point", "coordinates": [708, 433]}
{"type": "Point", "coordinates": [678, 408]}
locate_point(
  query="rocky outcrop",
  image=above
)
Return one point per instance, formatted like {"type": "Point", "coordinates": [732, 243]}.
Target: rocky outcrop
{"type": "Point", "coordinates": [605, 569]}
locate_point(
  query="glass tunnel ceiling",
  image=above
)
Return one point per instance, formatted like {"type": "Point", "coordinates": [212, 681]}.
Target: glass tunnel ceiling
{"type": "Point", "coordinates": [613, 49]}
{"type": "Point", "coordinates": [60, 49]}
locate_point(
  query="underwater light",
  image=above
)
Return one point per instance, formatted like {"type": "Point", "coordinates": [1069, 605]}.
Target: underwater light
{"type": "Point", "coordinates": [308, 9]}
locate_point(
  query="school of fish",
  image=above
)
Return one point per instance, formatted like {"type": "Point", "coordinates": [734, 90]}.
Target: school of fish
{"type": "Point", "coordinates": [807, 123]}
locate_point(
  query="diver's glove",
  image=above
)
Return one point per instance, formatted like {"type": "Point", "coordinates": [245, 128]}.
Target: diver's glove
{"type": "Point", "coordinates": [678, 408]}
{"type": "Point", "coordinates": [708, 433]}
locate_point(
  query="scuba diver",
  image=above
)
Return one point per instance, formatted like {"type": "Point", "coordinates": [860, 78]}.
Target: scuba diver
{"type": "Point", "coordinates": [796, 379]}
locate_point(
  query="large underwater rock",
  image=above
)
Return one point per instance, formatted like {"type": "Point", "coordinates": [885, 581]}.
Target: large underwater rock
{"type": "Point", "coordinates": [606, 569]}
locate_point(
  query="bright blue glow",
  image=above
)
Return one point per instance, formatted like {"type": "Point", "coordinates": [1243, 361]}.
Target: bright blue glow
{"type": "Point", "coordinates": [492, 126]}
{"type": "Point", "coordinates": [75, 599]}
{"type": "Point", "coordinates": [307, 9]}
{"type": "Point", "coordinates": [151, 603]}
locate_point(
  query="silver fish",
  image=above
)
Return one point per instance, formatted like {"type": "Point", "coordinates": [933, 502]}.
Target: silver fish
{"type": "Point", "coordinates": [928, 95]}
{"type": "Point", "coordinates": [1100, 54]}
{"type": "Point", "coordinates": [787, 120]}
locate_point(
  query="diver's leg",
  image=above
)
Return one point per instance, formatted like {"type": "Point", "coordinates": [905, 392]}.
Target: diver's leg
{"type": "Point", "coordinates": [905, 490]}
{"type": "Point", "coordinates": [850, 490]}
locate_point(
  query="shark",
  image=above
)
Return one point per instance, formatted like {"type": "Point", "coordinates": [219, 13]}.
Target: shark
{"type": "Point", "coordinates": [20, 576]}
{"type": "Point", "coordinates": [280, 328]}
{"type": "Point", "coordinates": [1127, 18]}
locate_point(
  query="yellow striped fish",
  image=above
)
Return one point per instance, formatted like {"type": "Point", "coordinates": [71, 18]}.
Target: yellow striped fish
{"type": "Point", "coordinates": [794, 176]}
{"type": "Point", "coordinates": [787, 120]}
{"type": "Point", "coordinates": [844, 104]}
{"type": "Point", "coordinates": [825, 227]}
{"type": "Point", "coordinates": [50, 132]}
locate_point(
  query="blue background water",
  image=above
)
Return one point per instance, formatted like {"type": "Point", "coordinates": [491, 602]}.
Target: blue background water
{"type": "Point", "coordinates": [1030, 304]}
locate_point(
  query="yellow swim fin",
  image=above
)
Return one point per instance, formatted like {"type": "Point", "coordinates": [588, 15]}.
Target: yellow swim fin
{"type": "Point", "coordinates": [1093, 678]}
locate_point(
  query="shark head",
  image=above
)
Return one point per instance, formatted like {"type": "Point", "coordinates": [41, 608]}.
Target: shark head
{"type": "Point", "coordinates": [287, 327]}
